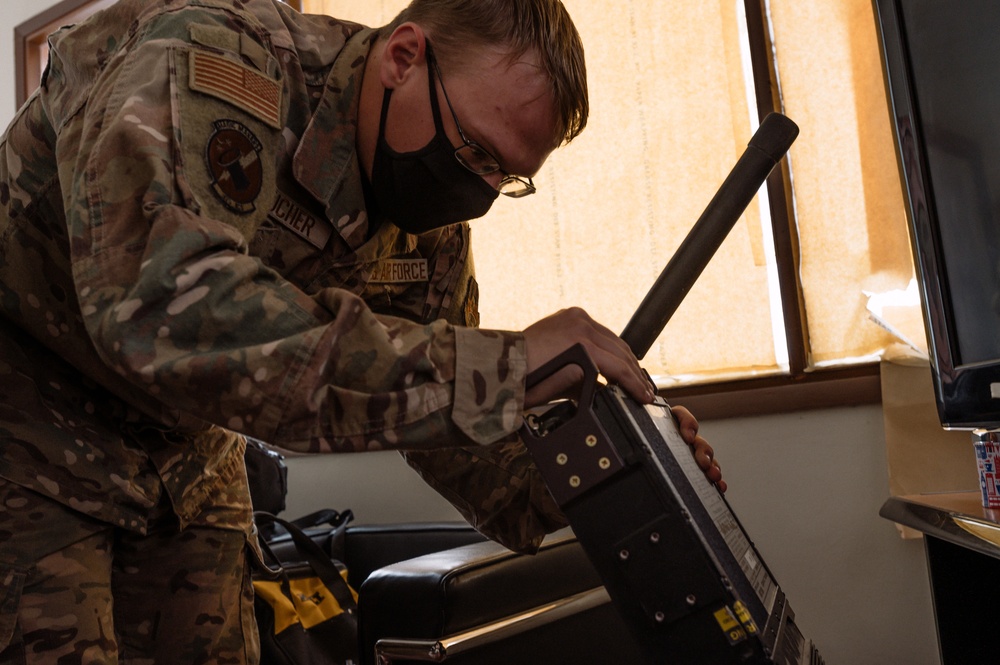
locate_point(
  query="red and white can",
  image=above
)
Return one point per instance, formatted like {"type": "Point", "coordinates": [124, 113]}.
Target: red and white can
{"type": "Point", "coordinates": [987, 447]}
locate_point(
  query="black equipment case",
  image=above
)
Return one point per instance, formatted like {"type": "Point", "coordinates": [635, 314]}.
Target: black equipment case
{"type": "Point", "coordinates": [676, 562]}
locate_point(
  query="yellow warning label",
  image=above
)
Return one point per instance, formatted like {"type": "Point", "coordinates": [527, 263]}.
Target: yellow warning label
{"type": "Point", "coordinates": [730, 626]}
{"type": "Point", "coordinates": [744, 616]}
{"type": "Point", "coordinates": [726, 619]}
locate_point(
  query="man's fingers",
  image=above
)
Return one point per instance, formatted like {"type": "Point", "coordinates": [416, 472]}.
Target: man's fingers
{"type": "Point", "coordinates": [624, 371]}
{"type": "Point", "coordinates": [554, 334]}
{"type": "Point", "coordinates": [704, 454]}
{"type": "Point", "coordinates": [551, 336]}
{"type": "Point", "coordinates": [686, 423]}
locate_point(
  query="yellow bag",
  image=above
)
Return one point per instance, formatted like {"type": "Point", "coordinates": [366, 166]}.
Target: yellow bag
{"type": "Point", "coordinates": [306, 611]}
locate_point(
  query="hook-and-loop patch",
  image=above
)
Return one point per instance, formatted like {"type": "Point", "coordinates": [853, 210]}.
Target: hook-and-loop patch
{"type": "Point", "coordinates": [237, 84]}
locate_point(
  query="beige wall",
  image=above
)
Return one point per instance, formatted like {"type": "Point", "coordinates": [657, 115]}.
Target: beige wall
{"type": "Point", "coordinates": [807, 486]}
{"type": "Point", "coordinates": [12, 14]}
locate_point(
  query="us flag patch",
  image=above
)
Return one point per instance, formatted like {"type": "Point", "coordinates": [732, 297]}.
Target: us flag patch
{"type": "Point", "coordinates": [237, 84]}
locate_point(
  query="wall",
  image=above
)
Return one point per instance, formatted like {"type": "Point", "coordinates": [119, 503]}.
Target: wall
{"type": "Point", "coordinates": [807, 486]}
{"type": "Point", "coordinates": [14, 13]}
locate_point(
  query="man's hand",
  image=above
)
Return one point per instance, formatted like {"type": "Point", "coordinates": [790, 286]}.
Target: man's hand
{"type": "Point", "coordinates": [554, 334]}
{"type": "Point", "coordinates": [704, 455]}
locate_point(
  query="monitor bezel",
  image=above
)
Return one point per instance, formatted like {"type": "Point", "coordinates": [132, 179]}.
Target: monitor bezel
{"type": "Point", "coordinates": [967, 395]}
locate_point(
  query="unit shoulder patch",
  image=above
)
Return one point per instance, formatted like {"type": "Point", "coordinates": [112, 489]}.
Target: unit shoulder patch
{"type": "Point", "coordinates": [233, 159]}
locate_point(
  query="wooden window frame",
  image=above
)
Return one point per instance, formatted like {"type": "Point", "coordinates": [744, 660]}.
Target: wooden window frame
{"type": "Point", "coordinates": [30, 40]}
{"type": "Point", "coordinates": [801, 388]}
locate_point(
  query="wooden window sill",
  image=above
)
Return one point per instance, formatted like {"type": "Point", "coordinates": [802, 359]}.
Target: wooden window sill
{"type": "Point", "coordinates": [827, 388]}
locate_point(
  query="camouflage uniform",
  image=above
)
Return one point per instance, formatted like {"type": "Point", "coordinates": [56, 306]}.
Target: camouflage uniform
{"type": "Point", "coordinates": [185, 258]}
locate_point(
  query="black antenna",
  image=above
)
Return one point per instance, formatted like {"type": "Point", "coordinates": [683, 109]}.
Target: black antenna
{"type": "Point", "coordinates": [766, 148]}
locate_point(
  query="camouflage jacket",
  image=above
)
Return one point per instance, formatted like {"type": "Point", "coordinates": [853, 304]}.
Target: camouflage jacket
{"type": "Point", "coordinates": [185, 259]}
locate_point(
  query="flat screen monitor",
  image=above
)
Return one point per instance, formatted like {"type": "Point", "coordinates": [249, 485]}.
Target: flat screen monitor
{"type": "Point", "coordinates": [941, 60]}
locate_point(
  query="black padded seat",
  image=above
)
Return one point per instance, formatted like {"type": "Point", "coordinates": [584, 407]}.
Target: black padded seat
{"type": "Point", "coordinates": [483, 604]}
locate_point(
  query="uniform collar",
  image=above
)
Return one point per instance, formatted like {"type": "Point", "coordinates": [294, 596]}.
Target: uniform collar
{"type": "Point", "coordinates": [326, 161]}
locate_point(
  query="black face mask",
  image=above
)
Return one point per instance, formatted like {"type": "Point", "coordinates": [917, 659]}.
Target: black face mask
{"type": "Point", "coordinates": [428, 188]}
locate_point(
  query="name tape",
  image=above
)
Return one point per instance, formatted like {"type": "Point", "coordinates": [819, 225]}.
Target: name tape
{"type": "Point", "coordinates": [400, 271]}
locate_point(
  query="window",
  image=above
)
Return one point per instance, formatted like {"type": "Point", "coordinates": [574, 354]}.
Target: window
{"type": "Point", "coordinates": [676, 92]}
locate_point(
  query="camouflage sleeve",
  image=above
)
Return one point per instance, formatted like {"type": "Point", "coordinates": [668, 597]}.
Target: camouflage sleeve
{"type": "Point", "coordinates": [172, 301]}
{"type": "Point", "coordinates": [496, 488]}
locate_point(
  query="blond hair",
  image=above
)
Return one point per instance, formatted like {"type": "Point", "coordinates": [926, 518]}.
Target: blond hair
{"type": "Point", "coordinates": [520, 26]}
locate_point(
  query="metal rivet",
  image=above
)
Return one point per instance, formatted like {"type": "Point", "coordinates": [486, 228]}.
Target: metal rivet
{"type": "Point", "coordinates": [623, 555]}
{"type": "Point", "coordinates": [691, 600]}
{"type": "Point", "coordinates": [591, 440]}
{"type": "Point", "coordinates": [604, 463]}
{"type": "Point", "coordinates": [574, 481]}
{"type": "Point", "coordinates": [660, 617]}
{"type": "Point", "coordinates": [561, 458]}
{"type": "Point", "coordinates": [654, 537]}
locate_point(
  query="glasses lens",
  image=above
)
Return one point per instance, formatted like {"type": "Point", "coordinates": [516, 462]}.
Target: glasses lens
{"type": "Point", "coordinates": [516, 186]}
{"type": "Point", "coordinates": [476, 159]}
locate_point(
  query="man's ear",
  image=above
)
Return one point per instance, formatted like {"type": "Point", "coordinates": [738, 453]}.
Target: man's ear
{"type": "Point", "coordinates": [404, 54]}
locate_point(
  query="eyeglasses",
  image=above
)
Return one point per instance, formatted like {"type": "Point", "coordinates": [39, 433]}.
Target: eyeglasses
{"type": "Point", "coordinates": [475, 157]}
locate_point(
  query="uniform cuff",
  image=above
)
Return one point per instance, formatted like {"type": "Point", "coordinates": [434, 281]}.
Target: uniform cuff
{"type": "Point", "coordinates": [490, 371]}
